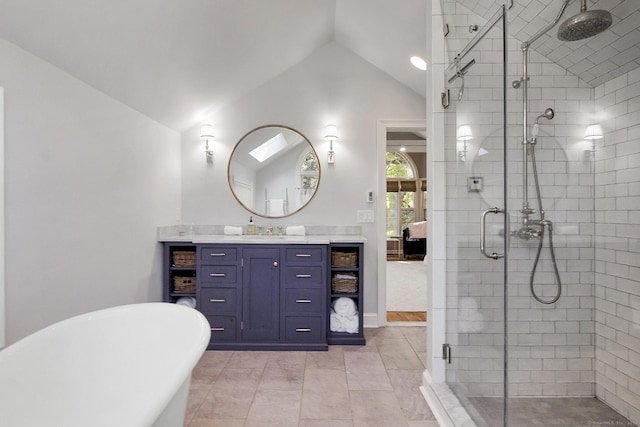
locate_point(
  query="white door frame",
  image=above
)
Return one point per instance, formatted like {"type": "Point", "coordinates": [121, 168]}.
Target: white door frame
{"type": "Point", "coordinates": [381, 214]}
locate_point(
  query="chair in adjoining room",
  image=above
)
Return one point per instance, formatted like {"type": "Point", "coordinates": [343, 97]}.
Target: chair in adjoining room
{"type": "Point", "coordinates": [414, 240]}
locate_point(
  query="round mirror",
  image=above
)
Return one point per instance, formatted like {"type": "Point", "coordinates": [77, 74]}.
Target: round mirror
{"type": "Point", "coordinates": [273, 171]}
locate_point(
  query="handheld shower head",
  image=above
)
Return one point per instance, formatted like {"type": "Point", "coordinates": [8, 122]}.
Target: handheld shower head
{"type": "Point", "coordinates": [548, 114]}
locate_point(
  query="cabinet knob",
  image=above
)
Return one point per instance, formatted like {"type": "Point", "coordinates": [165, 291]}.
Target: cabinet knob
{"type": "Point", "coordinates": [275, 263]}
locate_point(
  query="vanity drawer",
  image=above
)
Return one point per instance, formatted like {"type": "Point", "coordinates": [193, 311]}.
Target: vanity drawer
{"type": "Point", "coordinates": [303, 328]}
{"type": "Point", "coordinates": [307, 254]}
{"type": "Point", "coordinates": [303, 301]}
{"type": "Point", "coordinates": [218, 274]}
{"type": "Point", "coordinates": [304, 277]}
{"type": "Point", "coordinates": [222, 328]}
{"type": "Point", "coordinates": [218, 300]}
{"type": "Point", "coordinates": [217, 254]}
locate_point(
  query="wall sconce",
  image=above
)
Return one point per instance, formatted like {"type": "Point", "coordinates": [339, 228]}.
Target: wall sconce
{"type": "Point", "coordinates": [592, 133]}
{"type": "Point", "coordinates": [464, 135]}
{"type": "Point", "coordinates": [330, 134]}
{"type": "Point", "coordinates": [206, 133]}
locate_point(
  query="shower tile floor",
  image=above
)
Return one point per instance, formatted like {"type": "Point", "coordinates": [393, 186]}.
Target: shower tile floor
{"type": "Point", "coordinates": [347, 386]}
{"type": "Point", "coordinates": [559, 411]}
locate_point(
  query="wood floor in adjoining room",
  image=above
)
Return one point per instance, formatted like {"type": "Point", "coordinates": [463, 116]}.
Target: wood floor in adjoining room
{"type": "Point", "coordinates": [406, 316]}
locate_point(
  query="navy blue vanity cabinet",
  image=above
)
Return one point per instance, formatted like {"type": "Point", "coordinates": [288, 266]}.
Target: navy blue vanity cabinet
{"type": "Point", "coordinates": [219, 290]}
{"type": "Point", "coordinates": [303, 296]}
{"type": "Point", "coordinates": [257, 296]}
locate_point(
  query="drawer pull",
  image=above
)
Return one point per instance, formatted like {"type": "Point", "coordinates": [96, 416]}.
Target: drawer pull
{"type": "Point", "coordinates": [216, 275]}
{"type": "Point", "coordinates": [217, 329]}
{"type": "Point", "coordinates": [217, 300]}
{"type": "Point", "coordinates": [303, 301]}
{"type": "Point", "coordinates": [303, 255]}
{"type": "Point", "coordinates": [303, 276]}
{"type": "Point", "coordinates": [218, 254]}
{"type": "Point", "coordinates": [303, 330]}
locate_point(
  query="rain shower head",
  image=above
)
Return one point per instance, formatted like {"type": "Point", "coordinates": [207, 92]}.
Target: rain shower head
{"type": "Point", "coordinates": [585, 24]}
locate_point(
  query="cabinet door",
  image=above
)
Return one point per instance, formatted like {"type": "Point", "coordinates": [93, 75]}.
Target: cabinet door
{"type": "Point", "coordinates": [260, 293]}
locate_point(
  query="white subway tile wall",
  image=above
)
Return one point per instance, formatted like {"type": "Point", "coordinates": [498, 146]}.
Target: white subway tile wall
{"type": "Point", "coordinates": [617, 245]}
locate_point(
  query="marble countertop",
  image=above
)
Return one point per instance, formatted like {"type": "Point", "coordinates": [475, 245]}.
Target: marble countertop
{"type": "Point", "coordinates": [318, 235]}
{"type": "Point", "coordinates": [263, 239]}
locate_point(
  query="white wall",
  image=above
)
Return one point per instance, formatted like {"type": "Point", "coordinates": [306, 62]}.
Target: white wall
{"type": "Point", "coordinates": [331, 86]}
{"type": "Point", "coordinates": [88, 180]}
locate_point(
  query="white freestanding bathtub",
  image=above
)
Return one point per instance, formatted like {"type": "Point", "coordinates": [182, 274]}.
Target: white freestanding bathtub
{"type": "Point", "coordinates": [123, 366]}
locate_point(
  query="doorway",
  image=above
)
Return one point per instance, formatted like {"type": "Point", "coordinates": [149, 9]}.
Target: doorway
{"type": "Point", "coordinates": [401, 276]}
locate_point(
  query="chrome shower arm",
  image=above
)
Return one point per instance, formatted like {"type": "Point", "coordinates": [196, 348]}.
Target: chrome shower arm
{"type": "Point", "coordinates": [536, 36]}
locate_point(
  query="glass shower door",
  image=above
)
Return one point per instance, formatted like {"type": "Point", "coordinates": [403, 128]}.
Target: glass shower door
{"type": "Point", "coordinates": [475, 167]}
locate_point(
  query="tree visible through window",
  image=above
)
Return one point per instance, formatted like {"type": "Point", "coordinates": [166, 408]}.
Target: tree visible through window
{"type": "Point", "coordinates": [401, 193]}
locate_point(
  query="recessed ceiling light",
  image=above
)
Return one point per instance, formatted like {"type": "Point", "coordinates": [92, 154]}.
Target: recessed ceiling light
{"type": "Point", "coordinates": [419, 63]}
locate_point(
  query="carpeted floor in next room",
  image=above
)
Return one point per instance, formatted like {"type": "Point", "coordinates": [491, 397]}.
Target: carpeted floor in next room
{"type": "Point", "coordinates": [406, 291]}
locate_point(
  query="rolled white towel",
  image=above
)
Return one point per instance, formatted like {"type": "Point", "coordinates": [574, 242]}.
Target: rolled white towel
{"type": "Point", "coordinates": [231, 230]}
{"type": "Point", "coordinates": [188, 301]}
{"type": "Point", "coordinates": [295, 230]}
{"type": "Point", "coordinates": [345, 306]}
{"type": "Point", "coordinates": [335, 324]}
{"type": "Point", "coordinates": [350, 324]}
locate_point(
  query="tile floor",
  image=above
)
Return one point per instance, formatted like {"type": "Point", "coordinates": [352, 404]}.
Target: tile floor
{"type": "Point", "coordinates": [558, 411]}
{"type": "Point", "coordinates": [347, 386]}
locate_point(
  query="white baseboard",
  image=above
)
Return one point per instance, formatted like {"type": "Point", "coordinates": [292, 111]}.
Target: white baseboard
{"type": "Point", "coordinates": [370, 320]}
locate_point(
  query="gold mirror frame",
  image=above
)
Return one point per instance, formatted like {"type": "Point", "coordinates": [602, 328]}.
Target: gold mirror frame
{"type": "Point", "coordinates": [260, 186]}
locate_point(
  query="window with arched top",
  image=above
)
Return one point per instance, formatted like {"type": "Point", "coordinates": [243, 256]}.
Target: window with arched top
{"type": "Point", "coordinates": [404, 193]}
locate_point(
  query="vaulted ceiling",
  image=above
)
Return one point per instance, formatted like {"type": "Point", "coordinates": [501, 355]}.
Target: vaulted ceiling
{"type": "Point", "coordinates": [177, 60]}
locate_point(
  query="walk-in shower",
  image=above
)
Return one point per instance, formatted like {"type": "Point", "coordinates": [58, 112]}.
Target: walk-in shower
{"type": "Point", "coordinates": [521, 183]}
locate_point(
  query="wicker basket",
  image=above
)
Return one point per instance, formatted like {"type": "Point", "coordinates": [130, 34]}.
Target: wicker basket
{"type": "Point", "coordinates": [184, 284]}
{"type": "Point", "coordinates": [344, 259]}
{"type": "Point", "coordinates": [344, 285]}
{"type": "Point", "coordinates": [184, 259]}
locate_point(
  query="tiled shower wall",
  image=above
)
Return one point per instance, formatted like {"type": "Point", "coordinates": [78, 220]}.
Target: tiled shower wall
{"type": "Point", "coordinates": [617, 243]}
{"type": "Point", "coordinates": [551, 348]}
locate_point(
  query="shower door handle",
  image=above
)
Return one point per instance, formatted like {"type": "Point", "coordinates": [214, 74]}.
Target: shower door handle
{"type": "Point", "coordinates": [492, 255]}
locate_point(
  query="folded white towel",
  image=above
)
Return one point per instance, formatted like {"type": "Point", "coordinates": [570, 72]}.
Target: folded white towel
{"type": "Point", "coordinates": [230, 230]}
{"type": "Point", "coordinates": [295, 230]}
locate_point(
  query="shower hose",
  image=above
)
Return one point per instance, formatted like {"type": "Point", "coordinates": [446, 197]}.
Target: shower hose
{"type": "Point", "coordinates": [543, 223]}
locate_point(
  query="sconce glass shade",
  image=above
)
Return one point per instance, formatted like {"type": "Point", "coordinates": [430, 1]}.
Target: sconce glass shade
{"type": "Point", "coordinates": [464, 133]}
{"type": "Point", "coordinates": [331, 133]}
{"type": "Point", "coordinates": [594, 132]}
{"type": "Point", "coordinates": [206, 131]}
